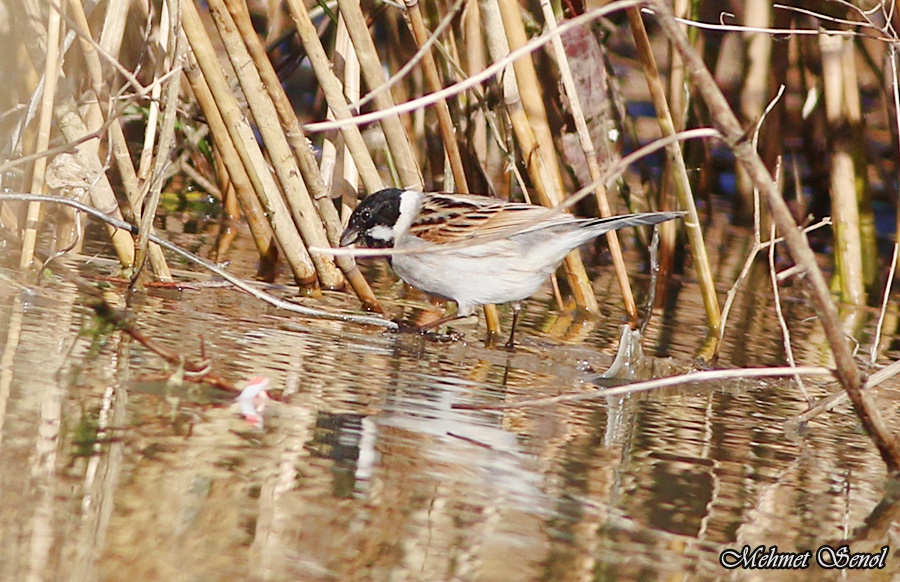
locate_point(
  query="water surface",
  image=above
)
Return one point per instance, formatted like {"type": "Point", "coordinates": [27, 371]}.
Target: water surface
{"type": "Point", "coordinates": [365, 471]}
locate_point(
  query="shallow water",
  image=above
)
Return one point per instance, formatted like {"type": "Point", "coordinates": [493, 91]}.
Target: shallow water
{"type": "Point", "coordinates": [364, 471]}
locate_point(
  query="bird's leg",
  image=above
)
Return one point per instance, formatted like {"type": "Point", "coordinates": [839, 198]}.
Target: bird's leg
{"type": "Point", "coordinates": [426, 330]}
{"type": "Point", "coordinates": [511, 343]}
{"type": "Point", "coordinates": [440, 321]}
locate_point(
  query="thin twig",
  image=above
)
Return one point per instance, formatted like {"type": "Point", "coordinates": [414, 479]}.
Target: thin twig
{"type": "Point", "coordinates": [71, 146]}
{"type": "Point", "coordinates": [166, 141]}
{"type": "Point", "coordinates": [702, 376]}
{"type": "Point", "coordinates": [766, 30]}
{"type": "Point", "coordinates": [420, 53]}
{"type": "Point", "coordinates": [748, 263]}
{"type": "Point", "coordinates": [873, 353]}
{"type": "Point", "coordinates": [829, 402]}
{"type": "Point", "coordinates": [785, 330]}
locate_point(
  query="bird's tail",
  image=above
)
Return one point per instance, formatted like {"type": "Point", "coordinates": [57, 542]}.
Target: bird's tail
{"type": "Point", "coordinates": [602, 225]}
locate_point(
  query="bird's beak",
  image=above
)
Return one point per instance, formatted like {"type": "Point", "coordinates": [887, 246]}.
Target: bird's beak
{"type": "Point", "coordinates": [350, 235]}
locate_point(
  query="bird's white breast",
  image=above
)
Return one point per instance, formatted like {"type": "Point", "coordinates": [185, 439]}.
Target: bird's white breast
{"type": "Point", "coordinates": [497, 272]}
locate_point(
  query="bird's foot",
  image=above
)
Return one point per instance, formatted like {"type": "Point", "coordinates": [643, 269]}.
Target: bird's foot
{"type": "Point", "coordinates": [438, 337]}
{"type": "Point", "coordinates": [405, 326]}
{"type": "Point", "coordinates": [427, 332]}
{"type": "Point", "coordinates": [495, 341]}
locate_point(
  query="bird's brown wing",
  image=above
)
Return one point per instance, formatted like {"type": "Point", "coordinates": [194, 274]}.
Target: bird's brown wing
{"type": "Point", "coordinates": [445, 219]}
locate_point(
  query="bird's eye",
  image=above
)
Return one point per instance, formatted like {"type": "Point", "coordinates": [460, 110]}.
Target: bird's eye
{"type": "Point", "coordinates": [366, 214]}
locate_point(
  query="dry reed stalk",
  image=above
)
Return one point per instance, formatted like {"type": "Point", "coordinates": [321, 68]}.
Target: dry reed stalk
{"type": "Point", "coordinates": [876, 341]}
{"type": "Point", "coordinates": [676, 162]}
{"type": "Point", "coordinates": [290, 141]}
{"type": "Point", "coordinates": [532, 101]}
{"type": "Point", "coordinates": [542, 177]}
{"type": "Point", "coordinates": [113, 31]}
{"type": "Point", "coordinates": [412, 119]}
{"type": "Point", "coordinates": [785, 330]}
{"type": "Point", "coordinates": [432, 78]}
{"type": "Point", "coordinates": [296, 194]}
{"type": "Point", "coordinates": [844, 205]}
{"type": "Point", "coordinates": [145, 165]}
{"type": "Point", "coordinates": [475, 61]}
{"type": "Point", "coordinates": [254, 213]}
{"type": "Point", "coordinates": [82, 144]}
{"type": "Point", "coordinates": [118, 143]}
{"type": "Point", "coordinates": [264, 185]}
{"type": "Point", "coordinates": [867, 232]}
{"type": "Point", "coordinates": [678, 99]}
{"type": "Point", "coordinates": [724, 117]}
{"type": "Point", "coordinates": [590, 154]}
{"type": "Point", "coordinates": [166, 142]}
{"type": "Point", "coordinates": [493, 155]}
{"type": "Point", "coordinates": [755, 88]}
{"type": "Point", "coordinates": [39, 170]}
{"type": "Point", "coordinates": [74, 130]}
{"type": "Point", "coordinates": [331, 87]}
{"type": "Point", "coordinates": [894, 81]}
{"type": "Point", "coordinates": [347, 188]}
{"type": "Point", "coordinates": [373, 72]}
{"type": "Point", "coordinates": [349, 184]}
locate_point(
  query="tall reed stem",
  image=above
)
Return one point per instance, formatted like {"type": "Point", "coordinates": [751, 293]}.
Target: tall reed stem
{"type": "Point", "coordinates": [264, 185]}
{"type": "Point", "coordinates": [590, 154]}
{"type": "Point", "coordinates": [296, 194]}
{"type": "Point", "coordinates": [39, 170]}
{"type": "Point", "coordinates": [501, 28]}
{"type": "Point", "coordinates": [373, 73]}
{"type": "Point", "coordinates": [331, 87]}
{"type": "Point", "coordinates": [301, 152]}
{"type": "Point", "coordinates": [676, 161]}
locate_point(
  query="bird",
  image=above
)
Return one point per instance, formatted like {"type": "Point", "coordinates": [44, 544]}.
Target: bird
{"type": "Point", "coordinates": [475, 250]}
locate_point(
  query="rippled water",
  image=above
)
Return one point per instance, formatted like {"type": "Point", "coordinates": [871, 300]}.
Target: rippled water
{"type": "Point", "coordinates": [365, 471]}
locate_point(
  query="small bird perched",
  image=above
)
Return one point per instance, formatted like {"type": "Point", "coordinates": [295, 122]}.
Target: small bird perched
{"type": "Point", "coordinates": [475, 250]}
